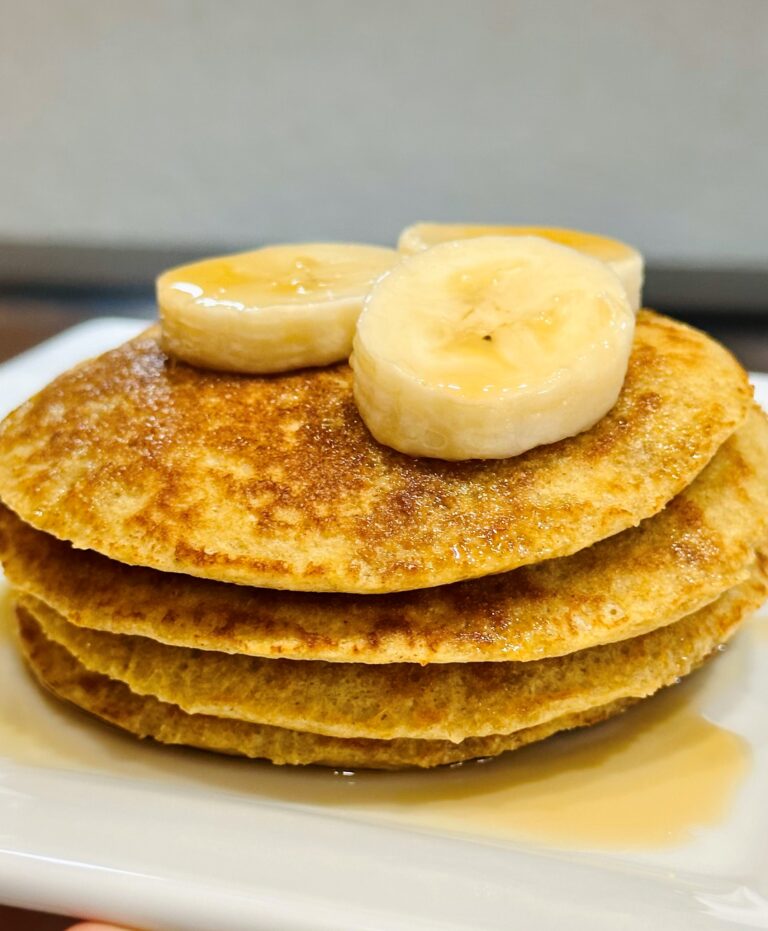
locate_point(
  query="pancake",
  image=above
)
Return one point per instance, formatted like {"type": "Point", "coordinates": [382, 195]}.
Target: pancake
{"type": "Point", "coordinates": [671, 565]}
{"type": "Point", "coordinates": [276, 482]}
{"type": "Point", "coordinates": [143, 717]}
{"type": "Point", "coordinates": [452, 701]}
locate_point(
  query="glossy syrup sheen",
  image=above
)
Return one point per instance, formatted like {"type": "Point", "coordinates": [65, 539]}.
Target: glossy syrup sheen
{"type": "Point", "coordinates": [228, 278]}
{"type": "Point", "coordinates": [276, 275]}
{"type": "Point", "coordinates": [601, 247]}
{"type": "Point", "coordinates": [650, 778]}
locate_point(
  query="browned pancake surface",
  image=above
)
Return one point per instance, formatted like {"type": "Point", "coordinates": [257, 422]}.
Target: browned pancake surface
{"type": "Point", "coordinates": [143, 716]}
{"type": "Point", "coordinates": [276, 481]}
{"type": "Point", "coordinates": [451, 701]}
{"type": "Point", "coordinates": [671, 565]}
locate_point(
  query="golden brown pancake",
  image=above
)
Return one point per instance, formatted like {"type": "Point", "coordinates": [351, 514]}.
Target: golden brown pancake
{"type": "Point", "coordinates": [144, 717]}
{"type": "Point", "coordinates": [451, 701]}
{"type": "Point", "coordinates": [147, 717]}
{"type": "Point", "coordinates": [276, 481]}
{"type": "Point", "coordinates": [671, 565]}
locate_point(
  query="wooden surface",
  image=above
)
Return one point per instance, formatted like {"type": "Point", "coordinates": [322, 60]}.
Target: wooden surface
{"type": "Point", "coordinates": [27, 321]}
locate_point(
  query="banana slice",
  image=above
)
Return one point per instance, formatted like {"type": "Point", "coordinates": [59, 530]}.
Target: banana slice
{"type": "Point", "coordinates": [623, 259]}
{"type": "Point", "coordinates": [484, 348]}
{"type": "Point", "coordinates": [271, 310]}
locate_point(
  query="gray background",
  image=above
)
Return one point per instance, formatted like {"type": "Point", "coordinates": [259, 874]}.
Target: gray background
{"type": "Point", "coordinates": [211, 124]}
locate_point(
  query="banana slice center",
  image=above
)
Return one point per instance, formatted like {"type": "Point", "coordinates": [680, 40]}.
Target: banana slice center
{"type": "Point", "coordinates": [491, 329]}
{"type": "Point", "coordinates": [277, 275]}
{"type": "Point", "coordinates": [487, 347]}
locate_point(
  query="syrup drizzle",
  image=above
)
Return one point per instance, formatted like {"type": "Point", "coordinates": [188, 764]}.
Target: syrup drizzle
{"type": "Point", "coordinates": [646, 779]}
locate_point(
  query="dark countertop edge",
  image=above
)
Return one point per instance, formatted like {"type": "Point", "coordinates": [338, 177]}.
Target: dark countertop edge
{"type": "Point", "coordinates": [43, 267]}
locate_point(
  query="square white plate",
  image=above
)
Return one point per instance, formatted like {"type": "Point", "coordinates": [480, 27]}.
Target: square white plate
{"type": "Point", "coordinates": [656, 819]}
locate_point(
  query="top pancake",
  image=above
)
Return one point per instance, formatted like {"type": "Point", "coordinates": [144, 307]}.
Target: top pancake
{"type": "Point", "coordinates": [670, 565]}
{"type": "Point", "coordinates": [276, 482]}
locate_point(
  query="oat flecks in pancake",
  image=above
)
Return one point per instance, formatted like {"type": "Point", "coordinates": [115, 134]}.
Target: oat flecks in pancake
{"type": "Point", "coordinates": [670, 566]}
{"type": "Point", "coordinates": [276, 481]}
{"type": "Point", "coordinates": [145, 716]}
{"type": "Point", "coordinates": [114, 702]}
{"type": "Point", "coordinates": [402, 700]}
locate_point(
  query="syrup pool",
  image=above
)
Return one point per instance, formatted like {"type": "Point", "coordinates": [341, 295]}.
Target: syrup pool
{"type": "Point", "coordinates": [649, 778]}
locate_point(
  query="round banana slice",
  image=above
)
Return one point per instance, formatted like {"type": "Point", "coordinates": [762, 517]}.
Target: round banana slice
{"type": "Point", "coordinates": [271, 310]}
{"type": "Point", "coordinates": [623, 259]}
{"type": "Point", "coordinates": [484, 348]}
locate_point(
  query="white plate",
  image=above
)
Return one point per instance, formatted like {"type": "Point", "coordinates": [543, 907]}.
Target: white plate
{"type": "Point", "coordinates": [657, 819]}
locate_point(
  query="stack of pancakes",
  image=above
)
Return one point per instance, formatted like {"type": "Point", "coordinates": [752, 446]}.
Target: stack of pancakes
{"type": "Point", "coordinates": [234, 563]}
